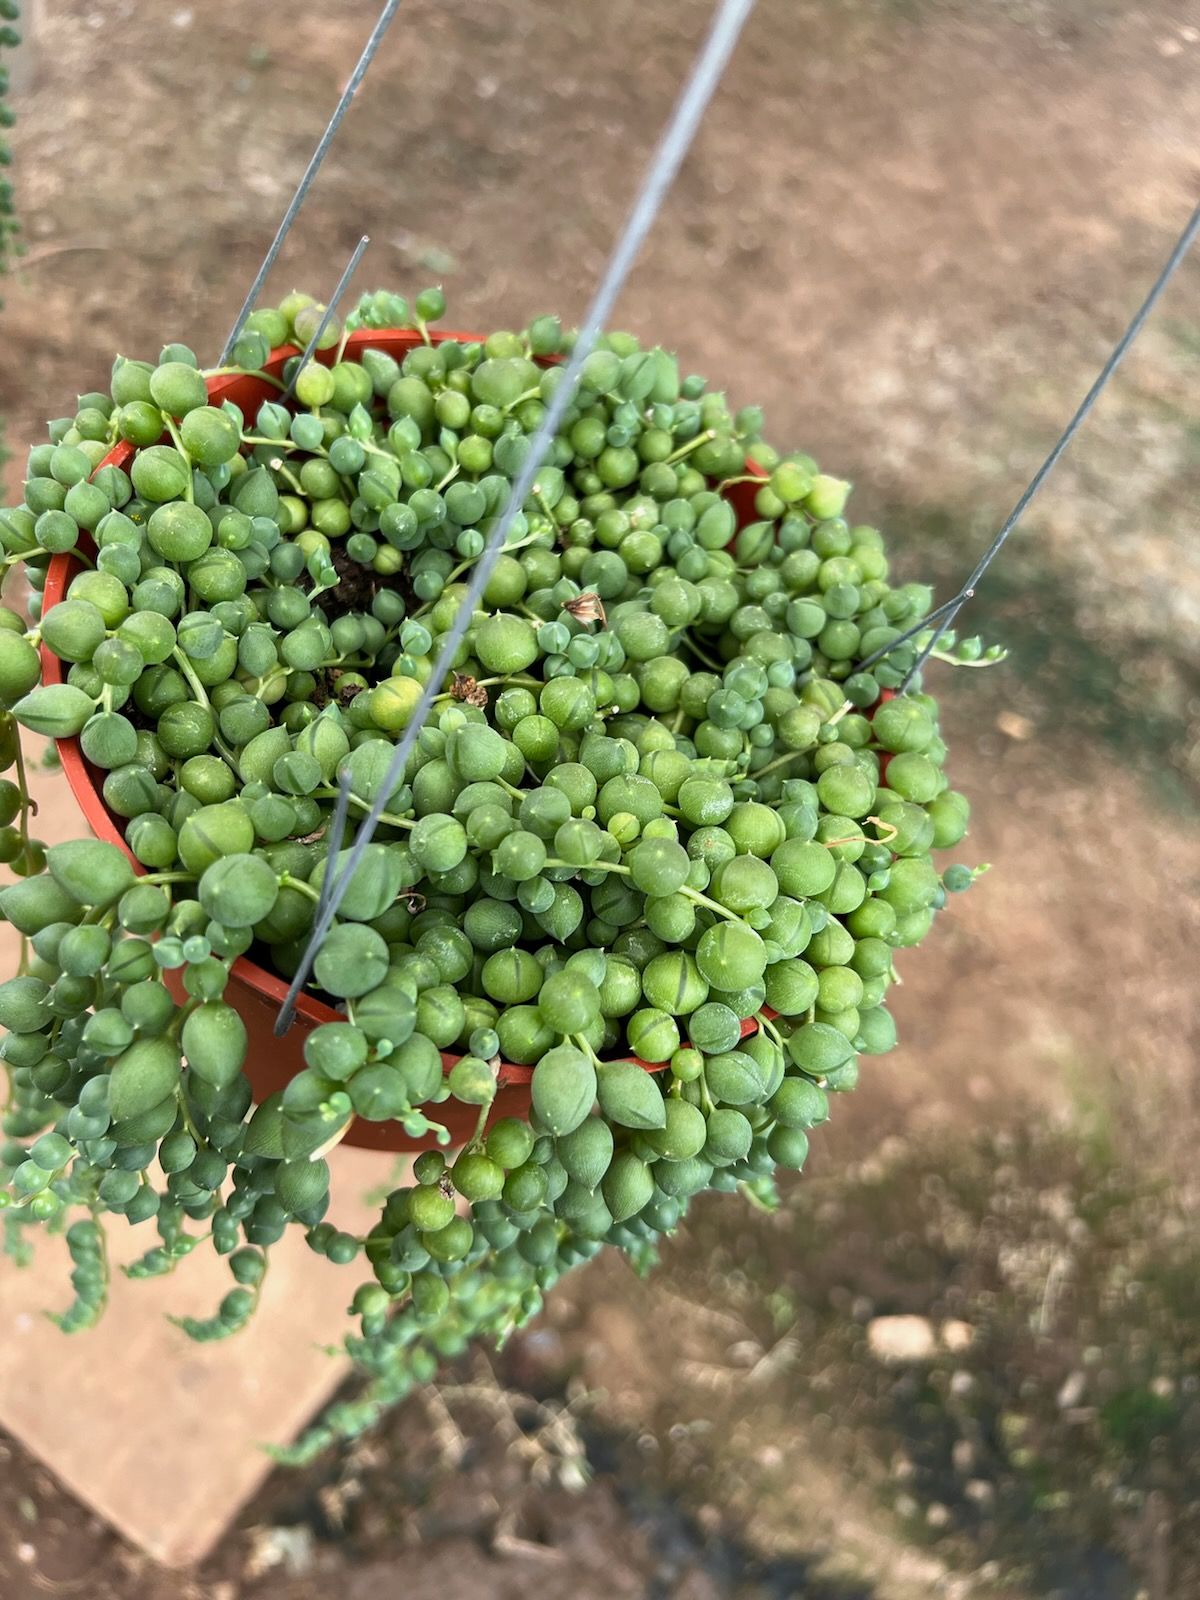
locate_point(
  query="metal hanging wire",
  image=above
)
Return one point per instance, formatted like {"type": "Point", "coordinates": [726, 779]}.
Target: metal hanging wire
{"type": "Point", "coordinates": [943, 617]}
{"type": "Point", "coordinates": [327, 316]}
{"type": "Point", "coordinates": [706, 73]}
{"type": "Point", "coordinates": [310, 172]}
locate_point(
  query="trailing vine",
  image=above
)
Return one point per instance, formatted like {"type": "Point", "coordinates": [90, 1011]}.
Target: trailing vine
{"type": "Point", "coordinates": [9, 227]}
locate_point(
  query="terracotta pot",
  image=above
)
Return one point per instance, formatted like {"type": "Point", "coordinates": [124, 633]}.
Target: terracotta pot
{"type": "Point", "coordinates": [255, 992]}
{"type": "Point", "coordinates": [885, 759]}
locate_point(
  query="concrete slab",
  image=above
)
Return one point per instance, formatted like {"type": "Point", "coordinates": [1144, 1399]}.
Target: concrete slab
{"type": "Point", "coordinates": [160, 1436]}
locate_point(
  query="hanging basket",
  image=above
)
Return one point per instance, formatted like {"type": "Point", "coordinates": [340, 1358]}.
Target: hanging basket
{"type": "Point", "coordinates": [254, 991]}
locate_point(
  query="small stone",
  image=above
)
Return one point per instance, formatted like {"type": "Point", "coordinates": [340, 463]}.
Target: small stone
{"type": "Point", "coordinates": [1014, 725]}
{"type": "Point", "coordinates": [901, 1338]}
{"type": "Point", "coordinates": [289, 1548]}
{"type": "Point", "coordinates": [957, 1336]}
{"type": "Point", "coordinates": [1071, 1391]}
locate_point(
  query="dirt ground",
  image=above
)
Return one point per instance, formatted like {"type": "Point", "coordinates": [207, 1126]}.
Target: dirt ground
{"type": "Point", "coordinates": [911, 229]}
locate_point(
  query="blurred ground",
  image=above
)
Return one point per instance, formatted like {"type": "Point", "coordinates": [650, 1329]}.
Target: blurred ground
{"type": "Point", "coordinates": [911, 229]}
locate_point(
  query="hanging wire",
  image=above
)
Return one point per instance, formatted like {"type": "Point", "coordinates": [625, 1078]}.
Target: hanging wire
{"type": "Point", "coordinates": [337, 833]}
{"type": "Point", "coordinates": [337, 824]}
{"type": "Point", "coordinates": [673, 145]}
{"type": "Point", "coordinates": [926, 621]}
{"type": "Point", "coordinates": [949, 611]}
{"type": "Point", "coordinates": [310, 172]}
{"type": "Point", "coordinates": [327, 318]}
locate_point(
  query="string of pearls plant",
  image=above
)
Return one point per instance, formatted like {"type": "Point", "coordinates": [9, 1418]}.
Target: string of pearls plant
{"type": "Point", "coordinates": [661, 841]}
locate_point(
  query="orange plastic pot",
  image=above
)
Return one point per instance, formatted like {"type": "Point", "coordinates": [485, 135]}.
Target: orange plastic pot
{"type": "Point", "coordinates": [256, 993]}
{"type": "Point", "coordinates": [885, 758]}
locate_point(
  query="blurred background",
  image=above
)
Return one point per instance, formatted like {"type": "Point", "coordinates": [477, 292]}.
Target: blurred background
{"type": "Point", "coordinates": [963, 1358]}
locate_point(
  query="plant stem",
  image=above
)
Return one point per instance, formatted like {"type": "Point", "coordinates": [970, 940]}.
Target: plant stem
{"type": "Point", "coordinates": [286, 881]}
{"type": "Point", "coordinates": [185, 1112]}
{"type": "Point", "coordinates": [518, 680]}
{"type": "Point", "coordinates": [201, 694]}
{"type": "Point", "coordinates": [390, 818]}
{"type": "Point", "coordinates": [581, 1041]}
{"type": "Point", "coordinates": [956, 661]}
{"type": "Point", "coordinates": [712, 905]}
{"type": "Point", "coordinates": [703, 437]}
{"type": "Point", "coordinates": [689, 641]}
{"type": "Point", "coordinates": [779, 761]}
{"type": "Point", "coordinates": [284, 471]}
{"type": "Point", "coordinates": [190, 492]}
{"type": "Point", "coordinates": [591, 866]}
{"type": "Point", "coordinates": [269, 678]}
{"type": "Point", "coordinates": [246, 372]}
{"type": "Point", "coordinates": [768, 1027]}
{"type": "Point", "coordinates": [485, 1112]}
